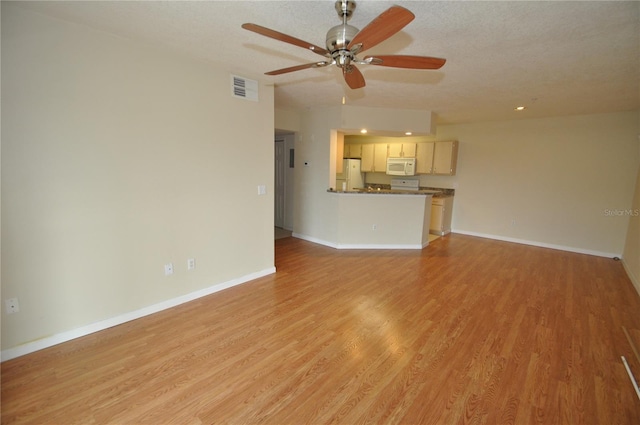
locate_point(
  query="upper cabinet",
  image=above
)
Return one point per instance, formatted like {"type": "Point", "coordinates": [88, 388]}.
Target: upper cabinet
{"type": "Point", "coordinates": [424, 158]}
{"type": "Point", "coordinates": [435, 158]}
{"type": "Point", "coordinates": [438, 158]}
{"type": "Point", "coordinates": [445, 158]}
{"type": "Point", "coordinates": [374, 158]}
{"type": "Point", "coordinates": [380, 158]}
{"type": "Point", "coordinates": [402, 150]}
{"type": "Point", "coordinates": [352, 150]}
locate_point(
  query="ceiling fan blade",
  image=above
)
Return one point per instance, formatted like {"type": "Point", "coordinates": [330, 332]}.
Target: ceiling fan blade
{"type": "Point", "coordinates": [384, 26]}
{"type": "Point", "coordinates": [404, 61]}
{"type": "Point", "coordinates": [298, 68]}
{"type": "Point", "coordinates": [286, 38]}
{"type": "Point", "coordinates": [353, 77]}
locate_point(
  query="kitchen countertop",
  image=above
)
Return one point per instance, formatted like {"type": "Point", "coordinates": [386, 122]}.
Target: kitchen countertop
{"type": "Point", "coordinates": [380, 191]}
{"type": "Point", "coordinates": [385, 189]}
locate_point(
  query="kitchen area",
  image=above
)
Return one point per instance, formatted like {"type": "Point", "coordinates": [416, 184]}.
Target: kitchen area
{"type": "Point", "coordinates": [386, 176]}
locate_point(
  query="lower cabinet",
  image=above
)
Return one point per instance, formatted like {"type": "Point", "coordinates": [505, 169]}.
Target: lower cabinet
{"type": "Point", "coordinates": [441, 209]}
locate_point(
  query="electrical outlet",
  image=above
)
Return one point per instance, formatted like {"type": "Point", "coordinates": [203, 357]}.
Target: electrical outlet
{"type": "Point", "coordinates": [168, 269]}
{"type": "Point", "coordinates": [191, 263]}
{"type": "Point", "coordinates": [374, 227]}
{"type": "Point", "coordinates": [262, 189]}
{"type": "Point", "coordinates": [12, 305]}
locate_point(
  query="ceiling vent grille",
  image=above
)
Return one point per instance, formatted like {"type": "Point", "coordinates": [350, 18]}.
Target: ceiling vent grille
{"type": "Point", "coordinates": [244, 88]}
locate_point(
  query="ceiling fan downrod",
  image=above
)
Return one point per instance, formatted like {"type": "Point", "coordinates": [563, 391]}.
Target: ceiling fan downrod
{"type": "Point", "coordinates": [339, 37]}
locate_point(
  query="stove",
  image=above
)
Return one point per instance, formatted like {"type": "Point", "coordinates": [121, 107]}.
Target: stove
{"type": "Point", "coordinates": [405, 184]}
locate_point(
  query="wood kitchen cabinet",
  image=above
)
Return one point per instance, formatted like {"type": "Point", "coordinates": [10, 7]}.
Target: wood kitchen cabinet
{"type": "Point", "coordinates": [380, 157]}
{"type": "Point", "coordinates": [402, 150]}
{"type": "Point", "coordinates": [441, 212]}
{"type": "Point", "coordinates": [374, 157]}
{"type": "Point", "coordinates": [424, 158]}
{"type": "Point", "coordinates": [438, 158]}
{"type": "Point", "coordinates": [352, 150]}
{"type": "Point", "coordinates": [409, 150]}
{"type": "Point", "coordinates": [445, 158]}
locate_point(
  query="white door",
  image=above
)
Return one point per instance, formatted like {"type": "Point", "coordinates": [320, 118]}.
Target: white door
{"type": "Point", "coordinates": [279, 188]}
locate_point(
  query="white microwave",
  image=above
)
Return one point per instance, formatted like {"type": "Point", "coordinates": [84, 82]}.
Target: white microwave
{"type": "Point", "coordinates": [401, 166]}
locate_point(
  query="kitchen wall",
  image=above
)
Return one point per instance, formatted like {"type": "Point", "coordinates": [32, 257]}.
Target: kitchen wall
{"type": "Point", "coordinates": [113, 164]}
{"type": "Point", "coordinates": [551, 182]}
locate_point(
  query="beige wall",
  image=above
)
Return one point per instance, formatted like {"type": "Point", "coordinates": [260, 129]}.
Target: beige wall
{"type": "Point", "coordinates": [315, 211]}
{"type": "Point", "coordinates": [115, 162]}
{"type": "Point", "coordinates": [547, 181]}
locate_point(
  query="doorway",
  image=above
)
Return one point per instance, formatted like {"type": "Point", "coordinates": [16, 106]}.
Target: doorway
{"type": "Point", "coordinates": [283, 183]}
{"type": "Point", "coordinates": [279, 194]}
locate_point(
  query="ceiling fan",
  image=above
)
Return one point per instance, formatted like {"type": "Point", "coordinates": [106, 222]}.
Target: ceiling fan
{"type": "Point", "coordinates": [345, 41]}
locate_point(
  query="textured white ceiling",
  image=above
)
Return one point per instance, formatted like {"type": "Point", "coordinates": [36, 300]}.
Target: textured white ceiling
{"type": "Point", "coordinates": [558, 58]}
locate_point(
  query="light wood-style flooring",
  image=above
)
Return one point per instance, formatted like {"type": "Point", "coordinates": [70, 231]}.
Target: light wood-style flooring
{"type": "Point", "coordinates": [466, 331]}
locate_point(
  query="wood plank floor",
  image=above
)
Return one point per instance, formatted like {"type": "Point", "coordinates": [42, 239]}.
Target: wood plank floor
{"type": "Point", "coordinates": [468, 330]}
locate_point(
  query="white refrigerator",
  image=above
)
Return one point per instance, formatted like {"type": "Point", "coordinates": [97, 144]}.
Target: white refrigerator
{"type": "Point", "coordinates": [351, 175]}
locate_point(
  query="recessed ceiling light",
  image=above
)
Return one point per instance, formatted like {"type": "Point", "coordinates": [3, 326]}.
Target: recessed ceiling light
{"type": "Point", "coordinates": [363, 131]}
{"type": "Point", "coordinates": [408, 133]}
{"type": "Point", "coordinates": [520, 108]}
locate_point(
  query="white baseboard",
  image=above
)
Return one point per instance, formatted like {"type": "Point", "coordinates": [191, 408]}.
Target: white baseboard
{"type": "Point", "coordinates": [378, 246]}
{"type": "Point", "coordinates": [463, 232]}
{"type": "Point", "coordinates": [539, 244]}
{"type": "Point", "coordinates": [314, 240]}
{"type": "Point", "coordinates": [358, 246]}
{"type": "Point", "coordinates": [632, 277]}
{"type": "Point", "coordinates": [40, 344]}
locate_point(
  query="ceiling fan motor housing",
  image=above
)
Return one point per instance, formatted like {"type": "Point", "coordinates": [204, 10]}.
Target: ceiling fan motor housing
{"type": "Point", "coordinates": [338, 38]}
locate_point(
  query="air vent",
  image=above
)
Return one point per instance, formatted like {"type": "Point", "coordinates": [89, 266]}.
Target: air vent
{"type": "Point", "coordinates": [244, 88]}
